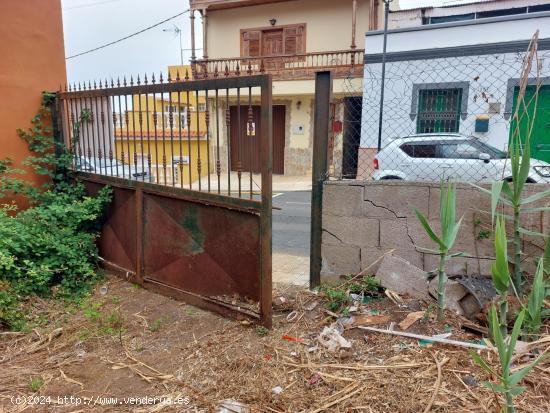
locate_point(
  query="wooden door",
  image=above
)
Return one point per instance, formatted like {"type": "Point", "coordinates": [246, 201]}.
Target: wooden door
{"type": "Point", "coordinates": [245, 147]}
{"type": "Point", "coordinates": [272, 42]}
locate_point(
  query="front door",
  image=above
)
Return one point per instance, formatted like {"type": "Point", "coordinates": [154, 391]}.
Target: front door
{"type": "Point", "coordinates": [540, 137]}
{"type": "Point", "coordinates": [245, 143]}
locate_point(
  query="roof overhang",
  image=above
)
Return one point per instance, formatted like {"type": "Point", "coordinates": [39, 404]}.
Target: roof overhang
{"type": "Point", "coordinates": [227, 4]}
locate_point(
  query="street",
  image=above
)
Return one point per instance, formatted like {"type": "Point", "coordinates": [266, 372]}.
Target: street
{"type": "Point", "coordinates": [291, 225]}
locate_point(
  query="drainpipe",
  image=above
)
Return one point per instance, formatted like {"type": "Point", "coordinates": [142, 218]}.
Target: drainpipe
{"type": "Point", "coordinates": [192, 17]}
{"type": "Point", "coordinates": [353, 23]}
{"type": "Point", "coordinates": [204, 35]}
{"type": "Point", "coordinates": [381, 113]}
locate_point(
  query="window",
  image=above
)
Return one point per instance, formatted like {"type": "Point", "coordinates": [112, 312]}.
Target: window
{"type": "Point", "coordinates": [202, 107]}
{"type": "Point", "coordinates": [273, 41]}
{"type": "Point", "coordinates": [420, 150]}
{"type": "Point", "coordinates": [458, 150]}
{"type": "Point", "coordinates": [438, 110]}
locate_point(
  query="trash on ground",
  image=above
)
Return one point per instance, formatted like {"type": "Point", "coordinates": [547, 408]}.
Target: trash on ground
{"type": "Point", "coordinates": [411, 319]}
{"type": "Point", "coordinates": [402, 277]}
{"type": "Point", "coordinates": [331, 339]}
{"type": "Point", "coordinates": [435, 339]}
{"type": "Point", "coordinates": [277, 389]}
{"type": "Point", "coordinates": [232, 406]}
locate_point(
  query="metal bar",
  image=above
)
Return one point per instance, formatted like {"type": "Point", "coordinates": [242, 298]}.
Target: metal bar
{"type": "Point", "coordinates": [266, 156]}
{"type": "Point", "coordinates": [240, 142]}
{"type": "Point", "coordinates": [188, 119]}
{"type": "Point", "coordinates": [171, 123]}
{"type": "Point", "coordinates": [246, 205]}
{"type": "Point", "coordinates": [180, 163]}
{"type": "Point", "coordinates": [218, 163]}
{"type": "Point", "coordinates": [207, 121]}
{"type": "Point", "coordinates": [139, 235]}
{"type": "Point", "coordinates": [155, 125]}
{"type": "Point", "coordinates": [121, 120]}
{"type": "Point", "coordinates": [383, 80]}
{"type": "Point", "coordinates": [191, 85]}
{"type": "Point", "coordinates": [321, 115]}
{"type": "Point", "coordinates": [199, 165]}
{"type": "Point", "coordinates": [228, 128]}
{"type": "Point", "coordinates": [127, 122]}
{"type": "Point", "coordinates": [163, 133]}
{"type": "Point", "coordinates": [250, 137]}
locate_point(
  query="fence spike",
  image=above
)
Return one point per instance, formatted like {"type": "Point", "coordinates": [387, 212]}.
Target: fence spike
{"type": "Point", "coordinates": [112, 83]}
{"type": "Point", "coordinates": [106, 84]}
{"type": "Point", "coordinates": [145, 78]}
{"type": "Point", "coordinates": [95, 84]}
{"type": "Point", "coordinates": [89, 85]}
{"type": "Point", "coordinates": [153, 79]}
{"type": "Point", "coordinates": [100, 84]}
{"type": "Point", "coordinates": [124, 81]}
{"type": "Point", "coordinates": [118, 81]}
{"type": "Point", "coordinates": [226, 71]}
{"type": "Point", "coordinates": [169, 78]}
{"type": "Point", "coordinates": [186, 74]}
{"type": "Point", "coordinates": [216, 71]}
{"type": "Point", "coordinates": [160, 77]}
{"type": "Point", "coordinates": [131, 80]}
{"type": "Point", "coordinates": [138, 81]}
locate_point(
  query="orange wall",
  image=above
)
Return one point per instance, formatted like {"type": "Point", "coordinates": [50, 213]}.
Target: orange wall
{"type": "Point", "coordinates": [32, 59]}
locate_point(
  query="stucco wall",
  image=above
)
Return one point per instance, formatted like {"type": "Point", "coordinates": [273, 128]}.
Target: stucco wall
{"type": "Point", "coordinates": [486, 75]}
{"type": "Point", "coordinates": [328, 24]}
{"type": "Point", "coordinates": [33, 60]}
{"type": "Point", "coordinates": [362, 221]}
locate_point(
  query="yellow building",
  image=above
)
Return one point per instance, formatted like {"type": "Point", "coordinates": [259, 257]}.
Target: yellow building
{"type": "Point", "coordinates": [165, 133]}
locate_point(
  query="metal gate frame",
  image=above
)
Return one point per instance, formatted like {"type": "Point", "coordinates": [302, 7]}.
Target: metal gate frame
{"type": "Point", "coordinates": [261, 209]}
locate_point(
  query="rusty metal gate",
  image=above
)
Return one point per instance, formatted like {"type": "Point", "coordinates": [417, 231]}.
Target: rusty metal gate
{"type": "Point", "coordinates": [183, 221]}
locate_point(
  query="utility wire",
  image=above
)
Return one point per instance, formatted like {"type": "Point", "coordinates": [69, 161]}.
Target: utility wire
{"type": "Point", "coordinates": [127, 37]}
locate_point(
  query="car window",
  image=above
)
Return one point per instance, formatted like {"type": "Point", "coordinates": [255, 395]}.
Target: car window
{"type": "Point", "coordinates": [458, 150]}
{"type": "Point", "coordinates": [420, 150]}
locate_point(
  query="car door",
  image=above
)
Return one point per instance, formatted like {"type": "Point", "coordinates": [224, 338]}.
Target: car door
{"type": "Point", "coordinates": [461, 162]}
{"type": "Point", "coordinates": [421, 163]}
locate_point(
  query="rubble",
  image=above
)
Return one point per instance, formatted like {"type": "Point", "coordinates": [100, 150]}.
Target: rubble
{"type": "Point", "coordinates": [402, 277]}
{"type": "Point", "coordinates": [331, 339]}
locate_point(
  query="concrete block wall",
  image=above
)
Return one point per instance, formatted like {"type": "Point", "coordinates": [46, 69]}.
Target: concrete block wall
{"type": "Point", "coordinates": [363, 220]}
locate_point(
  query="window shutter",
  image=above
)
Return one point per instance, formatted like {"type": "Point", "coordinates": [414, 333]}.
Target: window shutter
{"type": "Point", "coordinates": [294, 39]}
{"type": "Point", "coordinates": [250, 43]}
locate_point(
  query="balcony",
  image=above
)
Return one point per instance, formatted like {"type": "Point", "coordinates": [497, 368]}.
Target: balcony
{"type": "Point", "coordinates": [342, 63]}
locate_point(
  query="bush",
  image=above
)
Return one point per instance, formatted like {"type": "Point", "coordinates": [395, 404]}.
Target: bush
{"type": "Point", "coordinates": [49, 249]}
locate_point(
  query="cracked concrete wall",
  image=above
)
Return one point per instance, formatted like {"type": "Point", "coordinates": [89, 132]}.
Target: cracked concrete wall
{"type": "Point", "coordinates": [363, 220]}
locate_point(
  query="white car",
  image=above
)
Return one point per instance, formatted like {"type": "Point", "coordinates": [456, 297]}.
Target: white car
{"type": "Point", "coordinates": [444, 156]}
{"type": "Point", "coordinates": [113, 168]}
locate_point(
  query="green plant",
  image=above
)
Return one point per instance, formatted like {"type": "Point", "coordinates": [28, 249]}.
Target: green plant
{"type": "Point", "coordinates": [49, 249]}
{"type": "Point", "coordinates": [508, 381]}
{"type": "Point", "coordinates": [36, 384]}
{"type": "Point", "coordinates": [483, 234]}
{"type": "Point", "coordinates": [366, 285]}
{"type": "Point", "coordinates": [535, 311]}
{"type": "Point", "coordinates": [500, 272]}
{"type": "Point", "coordinates": [262, 331]}
{"type": "Point", "coordinates": [449, 231]}
{"type": "Point", "coordinates": [337, 298]}
{"type": "Point", "coordinates": [155, 325]}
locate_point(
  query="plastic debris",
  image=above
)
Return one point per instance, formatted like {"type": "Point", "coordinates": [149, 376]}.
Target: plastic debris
{"type": "Point", "coordinates": [331, 339]}
{"type": "Point", "coordinates": [277, 389]}
{"type": "Point", "coordinates": [294, 339]}
{"type": "Point", "coordinates": [232, 406]}
{"type": "Point", "coordinates": [103, 290]}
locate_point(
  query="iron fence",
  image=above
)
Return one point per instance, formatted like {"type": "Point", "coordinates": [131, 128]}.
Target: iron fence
{"type": "Point", "coordinates": [169, 130]}
{"type": "Point", "coordinates": [442, 118]}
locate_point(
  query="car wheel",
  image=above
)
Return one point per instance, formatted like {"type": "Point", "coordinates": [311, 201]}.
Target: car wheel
{"type": "Point", "coordinates": [527, 181]}
{"type": "Point", "coordinates": [386, 178]}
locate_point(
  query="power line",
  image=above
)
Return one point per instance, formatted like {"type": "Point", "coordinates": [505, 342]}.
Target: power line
{"type": "Point", "coordinates": [81, 6]}
{"type": "Point", "coordinates": [126, 37]}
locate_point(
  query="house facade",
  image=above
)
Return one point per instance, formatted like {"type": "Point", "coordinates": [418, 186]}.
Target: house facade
{"type": "Point", "coordinates": [456, 77]}
{"type": "Point", "coordinates": [291, 40]}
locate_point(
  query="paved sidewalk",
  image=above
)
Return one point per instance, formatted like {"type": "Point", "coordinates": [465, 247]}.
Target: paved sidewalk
{"type": "Point", "coordinates": [280, 183]}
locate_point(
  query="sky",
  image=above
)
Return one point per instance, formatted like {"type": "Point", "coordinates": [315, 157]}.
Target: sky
{"type": "Point", "coordinates": [91, 23]}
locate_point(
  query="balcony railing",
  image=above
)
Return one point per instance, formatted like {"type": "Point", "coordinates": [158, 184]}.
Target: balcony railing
{"type": "Point", "coordinates": [342, 63]}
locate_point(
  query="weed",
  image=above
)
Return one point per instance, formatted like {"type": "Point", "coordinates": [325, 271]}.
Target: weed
{"type": "Point", "coordinates": [36, 384]}
{"type": "Point", "coordinates": [483, 234]}
{"type": "Point", "coordinates": [155, 325]}
{"type": "Point", "coordinates": [262, 331]}
{"type": "Point", "coordinates": [366, 285]}
{"type": "Point", "coordinates": [449, 231]}
{"type": "Point", "coordinates": [336, 298]}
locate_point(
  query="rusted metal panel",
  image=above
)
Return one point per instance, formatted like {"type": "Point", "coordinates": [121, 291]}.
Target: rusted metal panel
{"type": "Point", "coordinates": [201, 248]}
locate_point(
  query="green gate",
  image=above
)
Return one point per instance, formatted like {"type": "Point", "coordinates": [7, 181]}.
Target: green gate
{"type": "Point", "coordinates": [540, 137]}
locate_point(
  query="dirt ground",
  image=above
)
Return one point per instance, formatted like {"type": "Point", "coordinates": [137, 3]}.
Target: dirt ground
{"type": "Point", "coordinates": [128, 342]}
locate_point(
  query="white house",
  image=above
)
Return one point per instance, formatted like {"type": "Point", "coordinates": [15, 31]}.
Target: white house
{"type": "Point", "coordinates": [445, 77]}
